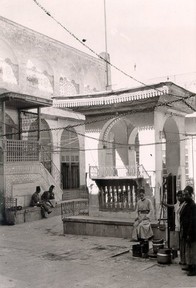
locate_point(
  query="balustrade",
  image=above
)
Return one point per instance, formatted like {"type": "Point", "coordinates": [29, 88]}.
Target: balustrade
{"type": "Point", "coordinates": [136, 171]}
{"type": "Point", "coordinates": [117, 195]}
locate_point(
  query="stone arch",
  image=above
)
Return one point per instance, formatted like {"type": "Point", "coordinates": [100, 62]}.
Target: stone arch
{"type": "Point", "coordinates": [40, 74]}
{"type": "Point", "coordinates": [69, 78]}
{"type": "Point", "coordinates": [106, 151]}
{"type": "Point", "coordinates": [68, 87]}
{"type": "Point", "coordinates": [70, 159]}
{"type": "Point", "coordinates": [9, 68]}
{"type": "Point", "coordinates": [115, 138]}
{"type": "Point", "coordinates": [172, 137]}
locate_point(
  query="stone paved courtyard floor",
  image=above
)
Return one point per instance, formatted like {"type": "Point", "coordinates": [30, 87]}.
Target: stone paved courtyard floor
{"type": "Point", "coordinates": [37, 254]}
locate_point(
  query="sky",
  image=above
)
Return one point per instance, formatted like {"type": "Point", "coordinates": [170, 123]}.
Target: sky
{"type": "Point", "coordinates": [151, 40]}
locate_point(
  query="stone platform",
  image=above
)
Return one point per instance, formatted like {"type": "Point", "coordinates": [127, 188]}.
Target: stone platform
{"type": "Point", "coordinates": [99, 226]}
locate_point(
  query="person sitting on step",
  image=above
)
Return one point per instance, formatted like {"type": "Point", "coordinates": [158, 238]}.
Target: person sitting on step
{"type": "Point", "coordinates": [48, 196]}
{"type": "Point", "coordinates": [35, 201]}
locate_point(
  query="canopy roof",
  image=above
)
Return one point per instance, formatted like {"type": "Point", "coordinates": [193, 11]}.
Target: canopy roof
{"type": "Point", "coordinates": [162, 94]}
{"type": "Point", "coordinates": [23, 101]}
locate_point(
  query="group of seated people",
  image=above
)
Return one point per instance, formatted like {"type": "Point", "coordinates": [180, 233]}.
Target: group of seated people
{"type": "Point", "coordinates": [46, 201]}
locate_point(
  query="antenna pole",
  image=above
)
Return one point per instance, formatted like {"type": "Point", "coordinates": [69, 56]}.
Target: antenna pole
{"type": "Point", "coordinates": [106, 49]}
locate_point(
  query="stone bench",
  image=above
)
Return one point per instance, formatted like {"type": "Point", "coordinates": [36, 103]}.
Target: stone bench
{"type": "Point", "coordinates": [28, 214]}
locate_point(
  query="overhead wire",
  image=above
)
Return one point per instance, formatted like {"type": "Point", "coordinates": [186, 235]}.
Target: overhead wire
{"type": "Point", "coordinates": [69, 128]}
{"type": "Point", "coordinates": [117, 115]}
{"type": "Point", "coordinates": [121, 145]}
{"type": "Point", "coordinates": [84, 44]}
{"type": "Point", "coordinates": [120, 114]}
{"type": "Point", "coordinates": [98, 55]}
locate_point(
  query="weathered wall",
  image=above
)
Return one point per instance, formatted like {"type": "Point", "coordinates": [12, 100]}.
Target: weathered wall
{"type": "Point", "coordinates": [35, 64]}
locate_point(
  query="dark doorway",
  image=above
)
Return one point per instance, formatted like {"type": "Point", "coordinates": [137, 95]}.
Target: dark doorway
{"type": "Point", "coordinates": [70, 159]}
{"type": "Point", "coordinates": [70, 173]}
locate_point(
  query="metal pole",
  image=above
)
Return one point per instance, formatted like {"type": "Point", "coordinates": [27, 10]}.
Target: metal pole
{"type": "Point", "coordinates": [193, 166]}
{"type": "Point", "coordinates": [106, 49]}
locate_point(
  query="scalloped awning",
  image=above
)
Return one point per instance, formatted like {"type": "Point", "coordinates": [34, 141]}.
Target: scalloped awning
{"type": "Point", "coordinates": [108, 98]}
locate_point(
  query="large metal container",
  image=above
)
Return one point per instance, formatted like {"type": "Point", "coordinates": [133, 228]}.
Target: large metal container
{"type": "Point", "coordinates": [157, 244]}
{"type": "Point", "coordinates": [164, 256]}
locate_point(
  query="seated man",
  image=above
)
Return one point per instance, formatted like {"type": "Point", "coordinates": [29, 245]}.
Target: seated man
{"type": "Point", "coordinates": [48, 196]}
{"type": "Point", "coordinates": [142, 228]}
{"type": "Point", "coordinates": [35, 201]}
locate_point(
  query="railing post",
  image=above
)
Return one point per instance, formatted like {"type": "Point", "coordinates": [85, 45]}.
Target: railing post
{"type": "Point", "coordinates": [4, 151]}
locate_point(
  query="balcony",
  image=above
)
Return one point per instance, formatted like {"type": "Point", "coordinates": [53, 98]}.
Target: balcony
{"type": "Point", "coordinates": [111, 172]}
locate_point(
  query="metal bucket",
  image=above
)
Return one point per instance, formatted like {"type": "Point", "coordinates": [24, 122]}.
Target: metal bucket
{"type": "Point", "coordinates": [157, 244]}
{"type": "Point", "coordinates": [164, 256]}
{"type": "Point", "coordinates": [136, 250]}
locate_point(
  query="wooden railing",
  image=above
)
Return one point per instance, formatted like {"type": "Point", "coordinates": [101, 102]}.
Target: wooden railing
{"type": "Point", "coordinates": [117, 194]}
{"type": "Point", "coordinates": [19, 150]}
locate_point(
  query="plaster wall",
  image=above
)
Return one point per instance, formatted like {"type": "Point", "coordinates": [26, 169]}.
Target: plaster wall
{"type": "Point", "coordinates": [49, 57]}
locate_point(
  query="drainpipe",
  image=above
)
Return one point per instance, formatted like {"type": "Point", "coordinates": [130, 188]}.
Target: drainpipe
{"type": "Point", "coordinates": [38, 136]}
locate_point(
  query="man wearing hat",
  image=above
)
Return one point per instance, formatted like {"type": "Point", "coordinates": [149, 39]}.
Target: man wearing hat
{"type": "Point", "coordinates": [35, 201]}
{"type": "Point", "coordinates": [48, 196]}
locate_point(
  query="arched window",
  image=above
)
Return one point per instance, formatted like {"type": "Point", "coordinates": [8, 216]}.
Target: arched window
{"type": "Point", "coordinates": [68, 87]}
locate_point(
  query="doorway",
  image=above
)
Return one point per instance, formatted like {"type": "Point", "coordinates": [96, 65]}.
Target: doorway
{"type": "Point", "coordinates": [70, 172]}
{"type": "Point", "coordinates": [70, 159]}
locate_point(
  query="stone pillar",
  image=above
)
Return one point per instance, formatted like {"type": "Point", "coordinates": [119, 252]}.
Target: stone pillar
{"type": "Point", "coordinates": [131, 157]}
{"type": "Point", "coordinates": [82, 168]}
{"type": "Point", "coordinates": [93, 198]}
{"type": "Point", "coordinates": [159, 119]}
{"type": "Point", "coordinates": [92, 155]}
{"type": "Point", "coordinates": [181, 176]}
{"type": "Point", "coordinates": [56, 161]}
{"type": "Point", "coordinates": [147, 151]}
{"type": "Point", "coordinates": [2, 156]}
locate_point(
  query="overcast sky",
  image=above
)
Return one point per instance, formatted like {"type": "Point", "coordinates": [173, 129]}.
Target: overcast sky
{"type": "Point", "coordinates": [145, 38]}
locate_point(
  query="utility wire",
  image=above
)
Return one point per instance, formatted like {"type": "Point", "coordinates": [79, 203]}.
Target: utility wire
{"type": "Point", "coordinates": [86, 46]}
{"type": "Point", "coordinates": [119, 115]}
{"type": "Point", "coordinates": [99, 56]}
{"type": "Point", "coordinates": [121, 145]}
